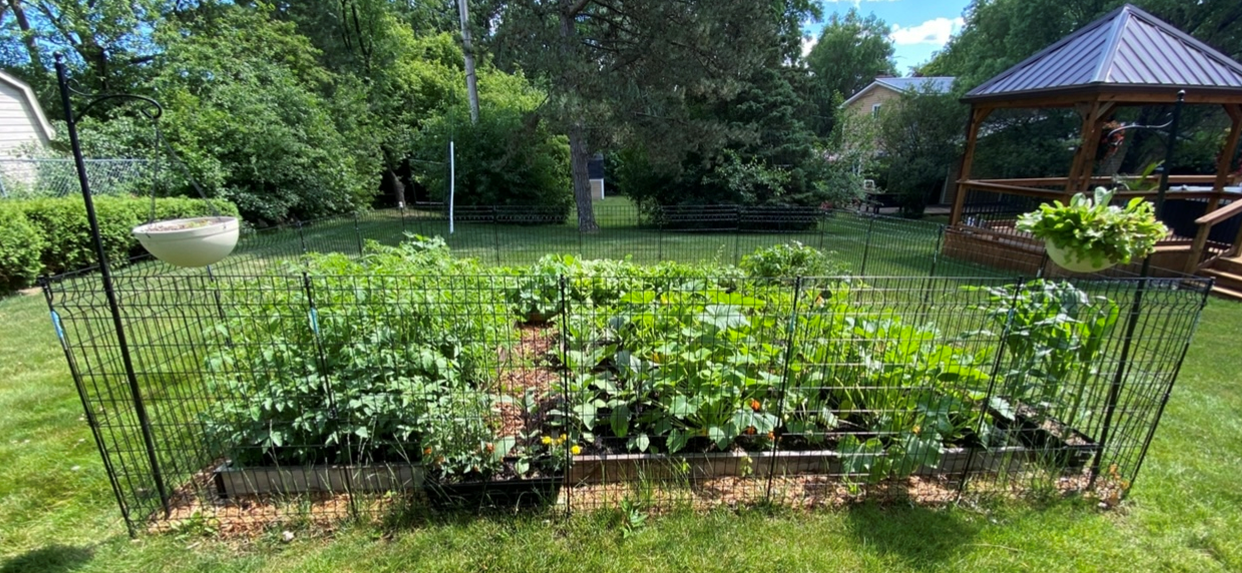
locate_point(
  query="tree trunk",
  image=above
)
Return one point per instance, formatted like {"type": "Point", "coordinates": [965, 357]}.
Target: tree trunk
{"type": "Point", "coordinates": [579, 155]}
{"type": "Point", "coordinates": [472, 81]}
{"type": "Point", "coordinates": [32, 47]}
{"type": "Point", "coordinates": [392, 184]}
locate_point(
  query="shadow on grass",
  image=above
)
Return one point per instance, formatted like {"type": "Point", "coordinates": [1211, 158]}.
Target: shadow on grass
{"type": "Point", "coordinates": [50, 559]}
{"type": "Point", "coordinates": [920, 536]}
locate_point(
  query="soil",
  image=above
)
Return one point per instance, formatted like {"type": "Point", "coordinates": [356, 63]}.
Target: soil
{"type": "Point", "coordinates": [1055, 428]}
{"type": "Point", "coordinates": [194, 224]}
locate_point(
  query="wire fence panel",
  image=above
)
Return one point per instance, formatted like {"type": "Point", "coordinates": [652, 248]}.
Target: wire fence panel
{"type": "Point", "coordinates": [366, 382]}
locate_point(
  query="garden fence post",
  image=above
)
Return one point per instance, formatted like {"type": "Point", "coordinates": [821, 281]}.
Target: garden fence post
{"type": "Point", "coordinates": [565, 384]}
{"type": "Point", "coordinates": [867, 245]}
{"type": "Point", "coordinates": [931, 275]}
{"type": "Point", "coordinates": [991, 391]}
{"type": "Point", "coordinates": [302, 237]}
{"type": "Point", "coordinates": [357, 233]}
{"type": "Point", "coordinates": [660, 234]}
{"type": "Point", "coordinates": [333, 409]}
{"type": "Point", "coordinates": [496, 232]}
{"type": "Point", "coordinates": [737, 235]}
{"type": "Point", "coordinates": [790, 341]}
{"type": "Point", "coordinates": [401, 211]}
{"type": "Point", "coordinates": [1114, 389]}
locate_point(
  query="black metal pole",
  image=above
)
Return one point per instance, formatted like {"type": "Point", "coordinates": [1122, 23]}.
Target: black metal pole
{"type": "Point", "coordinates": [105, 273]}
{"type": "Point", "coordinates": [1123, 364]}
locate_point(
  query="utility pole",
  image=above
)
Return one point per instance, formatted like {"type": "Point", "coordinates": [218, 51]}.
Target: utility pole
{"type": "Point", "coordinates": [472, 81]}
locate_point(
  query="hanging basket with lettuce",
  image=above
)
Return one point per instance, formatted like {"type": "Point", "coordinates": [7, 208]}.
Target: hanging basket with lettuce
{"type": "Point", "coordinates": [1090, 235]}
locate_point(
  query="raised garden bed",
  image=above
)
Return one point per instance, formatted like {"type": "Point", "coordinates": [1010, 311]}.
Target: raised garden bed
{"type": "Point", "coordinates": [617, 468]}
{"type": "Point", "coordinates": [502, 493]}
{"type": "Point", "coordinates": [231, 481]}
{"type": "Point", "coordinates": [1048, 439]}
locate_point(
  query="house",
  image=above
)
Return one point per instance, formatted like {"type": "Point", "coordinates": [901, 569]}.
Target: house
{"type": "Point", "coordinates": [22, 122]}
{"type": "Point", "coordinates": [873, 97]}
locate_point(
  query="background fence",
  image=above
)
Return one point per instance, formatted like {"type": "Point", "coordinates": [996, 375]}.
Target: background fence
{"type": "Point", "coordinates": [30, 178]}
{"type": "Point", "coordinates": [251, 392]}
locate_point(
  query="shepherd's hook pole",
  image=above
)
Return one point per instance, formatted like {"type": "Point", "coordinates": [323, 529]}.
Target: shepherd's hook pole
{"type": "Point", "coordinates": [105, 274]}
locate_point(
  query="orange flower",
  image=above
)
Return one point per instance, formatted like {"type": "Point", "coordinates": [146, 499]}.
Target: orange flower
{"type": "Point", "coordinates": [750, 430]}
{"type": "Point", "coordinates": [491, 448]}
{"type": "Point", "coordinates": [771, 435]}
{"type": "Point", "coordinates": [427, 451]}
{"type": "Point", "coordinates": [755, 405]}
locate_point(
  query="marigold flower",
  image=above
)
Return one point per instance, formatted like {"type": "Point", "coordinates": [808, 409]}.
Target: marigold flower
{"type": "Point", "coordinates": [771, 435]}
{"type": "Point", "coordinates": [750, 430]}
{"type": "Point", "coordinates": [546, 440]}
{"type": "Point", "coordinates": [575, 450]}
{"type": "Point", "coordinates": [427, 451]}
{"type": "Point", "coordinates": [561, 439]}
{"type": "Point", "coordinates": [755, 405]}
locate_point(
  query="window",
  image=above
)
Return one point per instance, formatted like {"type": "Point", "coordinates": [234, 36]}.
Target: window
{"type": "Point", "coordinates": [875, 110]}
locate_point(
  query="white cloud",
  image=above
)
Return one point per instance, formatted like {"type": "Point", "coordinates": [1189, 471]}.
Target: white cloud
{"type": "Point", "coordinates": [936, 32]}
{"type": "Point", "coordinates": [808, 42]}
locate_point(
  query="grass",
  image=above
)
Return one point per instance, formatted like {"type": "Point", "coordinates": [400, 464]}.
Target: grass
{"type": "Point", "coordinates": [57, 512]}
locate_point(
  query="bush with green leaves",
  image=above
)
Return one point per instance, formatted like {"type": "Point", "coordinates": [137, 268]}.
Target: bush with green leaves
{"type": "Point", "coordinates": [1092, 229]}
{"type": "Point", "coordinates": [66, 233]}
{"type": "Point", "coordinates": [21, 246]}
{"type": "Point", "coordinates": [788, 260]}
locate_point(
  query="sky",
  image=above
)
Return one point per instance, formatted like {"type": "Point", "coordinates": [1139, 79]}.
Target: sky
{"type": "Point", "coordinates": [919, 27]}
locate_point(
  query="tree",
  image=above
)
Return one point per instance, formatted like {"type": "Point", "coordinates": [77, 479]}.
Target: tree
{"type": "Point", "coordinates": [921, 137]}
{"type": "Point", "coordinates": [617, 70]}
{"type": "Point", "coordinates": [851, 52]}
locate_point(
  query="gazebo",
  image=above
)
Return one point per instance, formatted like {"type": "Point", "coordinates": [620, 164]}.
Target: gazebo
{"type": "Point", "coordinates": [1126, 58]}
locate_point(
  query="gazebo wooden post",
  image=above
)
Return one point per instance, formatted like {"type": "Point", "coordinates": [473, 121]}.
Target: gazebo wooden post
{"type": "Point", "coordinates": [1218, 189]}
{"type": "Point", "coordinates": [1084, 160]}
{"type": "Point", "coordinates": [1223, 165]}
{"type": "Point", "coordinates": [978, 114]}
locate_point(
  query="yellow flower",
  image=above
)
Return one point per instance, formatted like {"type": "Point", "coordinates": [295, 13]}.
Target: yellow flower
{"type": "Point", "coordinates": [547, 440]}
{"type": "Point", "coordinates": [575, 450]}
{"type": "Point", "coordinates": [561, 439]}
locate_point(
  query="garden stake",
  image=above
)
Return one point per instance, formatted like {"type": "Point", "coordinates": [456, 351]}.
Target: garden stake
{"type": "Point", "coordinates": [780, 401]}
{"type": "Point", "coordinates": [987, 398]}
{"type": "Point", "coordinates": [867, 245]}
{"type": "Point", "coordinates": [105, 273]}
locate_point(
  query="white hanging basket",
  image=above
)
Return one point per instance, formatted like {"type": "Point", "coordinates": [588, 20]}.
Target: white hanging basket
{"type": "Point", "coordinates": [196, 242]}
{"type": "Point", "coordinates": [1070, 261]}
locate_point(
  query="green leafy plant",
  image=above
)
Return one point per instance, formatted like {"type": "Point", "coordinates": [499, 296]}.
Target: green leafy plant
{"type": "Point", "coordinates": [1093, 230]}
{"type": "Point", "coordinates": [788, 260]}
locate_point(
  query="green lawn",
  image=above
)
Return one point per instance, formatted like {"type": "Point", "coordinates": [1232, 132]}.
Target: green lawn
{"type": "Point", "coordinates": [57, 512]}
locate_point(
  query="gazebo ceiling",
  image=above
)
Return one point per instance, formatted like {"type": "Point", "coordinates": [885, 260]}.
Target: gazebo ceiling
{"type": "Point", "coordinates": [1127, 55]}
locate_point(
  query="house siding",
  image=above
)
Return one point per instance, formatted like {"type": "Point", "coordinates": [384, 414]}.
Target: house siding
{"type": "Point", "coordinates": [879, 94]}
{"type": "Point", "coordinates": [19, 124]}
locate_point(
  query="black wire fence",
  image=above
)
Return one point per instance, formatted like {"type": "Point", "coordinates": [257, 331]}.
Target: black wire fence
{"type": "Point", "coordinates": [279, 386]}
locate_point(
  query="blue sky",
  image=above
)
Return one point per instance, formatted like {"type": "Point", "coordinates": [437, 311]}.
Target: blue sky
{"type": "Point", "coordinates": [919, 27]}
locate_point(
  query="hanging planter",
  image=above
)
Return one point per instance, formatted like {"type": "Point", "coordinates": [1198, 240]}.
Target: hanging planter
{"type": "Point", "coordinates": [1071, 261]}
{"type": "Point", "coordinates": [1089, 235]}
{"type": "Point", "coordinates": [196, 242]}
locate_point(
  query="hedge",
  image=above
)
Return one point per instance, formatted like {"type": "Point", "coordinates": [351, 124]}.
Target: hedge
{"type": "Point", "coordinates": [20, 248]}
{"type": "Point", "coordinates": [62, 231]}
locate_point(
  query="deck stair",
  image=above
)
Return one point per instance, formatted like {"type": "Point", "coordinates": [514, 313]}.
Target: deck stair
{"type": "Point", "coordinates": [1228, 274]}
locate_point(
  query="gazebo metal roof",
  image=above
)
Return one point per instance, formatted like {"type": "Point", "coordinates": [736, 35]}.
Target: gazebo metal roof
{"type": "Point", "coordinates": [1127, 50]}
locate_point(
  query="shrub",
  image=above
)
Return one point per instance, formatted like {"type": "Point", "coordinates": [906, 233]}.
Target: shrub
{"type": "Point", "coordinates": [66, 232]}
{"type": "Point", "coordinates": [20, 245]}
{"type": "Point", "coordinates": [787, 261]}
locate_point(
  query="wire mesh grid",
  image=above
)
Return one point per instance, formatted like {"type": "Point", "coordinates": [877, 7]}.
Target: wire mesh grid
{"type": "Point", "coordinates": [270, 388]}
{"type": "Point", "coordinates": [54, 177]}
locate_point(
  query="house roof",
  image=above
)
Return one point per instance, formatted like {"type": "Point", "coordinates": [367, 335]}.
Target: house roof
{"type": "Point", "coordinates": [939, 84]}
{"type": "Point", "coordinates": [32, 101]}
{"type": "Point", "coordinates": [1126, 50]}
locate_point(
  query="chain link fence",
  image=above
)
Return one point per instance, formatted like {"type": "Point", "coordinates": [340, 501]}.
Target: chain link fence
{"type": "Point", "coordinates": [37, 178]}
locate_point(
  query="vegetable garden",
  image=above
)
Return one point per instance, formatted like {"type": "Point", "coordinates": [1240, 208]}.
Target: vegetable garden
{"type": "Point", "coordinates": [405, 376]}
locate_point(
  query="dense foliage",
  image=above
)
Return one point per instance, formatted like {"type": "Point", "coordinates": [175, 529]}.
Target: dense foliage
{"type": "Point", "coordinates": [414, 355]}
{"type": "Point", "coordinates": [21, 247]}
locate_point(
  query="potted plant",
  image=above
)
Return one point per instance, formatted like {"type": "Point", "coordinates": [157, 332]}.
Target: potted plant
{"type": "Point", "coordinates": [1090, 235]}
{"type": "Point", "coordinates": [195, 242]}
